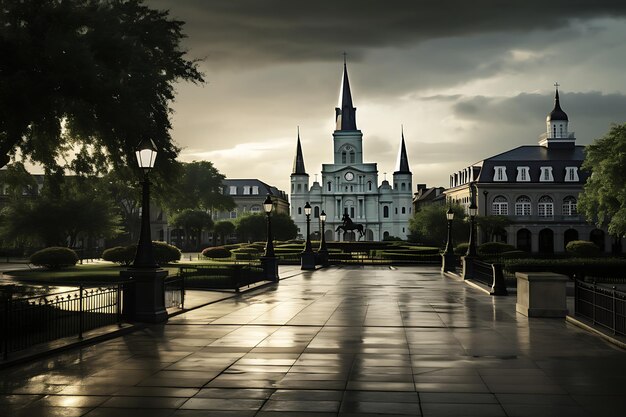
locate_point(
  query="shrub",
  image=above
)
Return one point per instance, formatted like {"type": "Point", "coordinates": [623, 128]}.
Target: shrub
{"type": "Point", "coordinates": [461, 249]}
{"type": "Point", "coordinates": [165, 253]}
{"type": "Point", "coordinates": [233, 246]}
{"type": "Point", "coordinates": [583, 249]}
{"type": "Point", "coordinates": [54, 257]}
{"type": "Point", "coordinates": [391, 238]}
{"type": "Point", "coordinates": [494, 248]}
{"type": "Point", "coordinates": [217, 252]}
{"type": "Point", "coordinates": [123, 255]}
{"type": "Point", "coordinates": [247, 249]}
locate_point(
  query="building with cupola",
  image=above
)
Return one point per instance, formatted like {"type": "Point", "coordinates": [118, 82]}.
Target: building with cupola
{"type": "Point", "coordinates": [536, 187]}
{"type": "Point", "coordinates": [349, 185]}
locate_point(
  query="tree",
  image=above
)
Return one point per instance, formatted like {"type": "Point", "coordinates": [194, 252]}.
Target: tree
{"type": "Point", "coordinates": [430, 225]}
{"type": "Point", "coordinates": [254, 227]}
{"type": "Point", "coordinates": [58, 219]}
{"type": "Point", "coordinates": [223, 229]}
{"type": "Point", "coordinates": [123, 188]}
{"type": "Point", "coordinates": [18, 181]}
{"type": "Point", "coordinates": [603, 199]}
{"type": "Point", "coordinates": [193, 222]}
{"type": "Point", "coordinates": [197, 186]}
{"type": "Point", "coordinates": [92, 76]}
{"type": "Point", "coordinates": [492, 225]}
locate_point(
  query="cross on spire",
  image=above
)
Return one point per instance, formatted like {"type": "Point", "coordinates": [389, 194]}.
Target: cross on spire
{"type": "Point", "coordinates": [556, 84]}
{"type": "Point", "coordinates": [344, 57]}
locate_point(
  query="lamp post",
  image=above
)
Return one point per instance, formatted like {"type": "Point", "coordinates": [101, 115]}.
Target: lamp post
{"type": "Point", "coordinates": [144, 298]}
{"type": "Point", "coordinates": [268, 260]}
{"type": "Point", "coordinates": [448, 259]}
{"type": "Point", "coordinates": [307, 256]}
{"type": "Point", "coordinates": [468, 259]}
{"type": "Point", "coordinates": [486, 238]}
{"type": "Point", "coordinates": [323, 251]}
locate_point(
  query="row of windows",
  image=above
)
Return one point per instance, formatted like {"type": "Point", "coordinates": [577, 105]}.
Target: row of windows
{"type": "Point", "coordinates": [316, 211]}
{"type": "Point", "coordinates": [253, 210]}
{"type": "Point", "coordinates": [523, 174]}
{"type": "Point", "coordinates": [247, 190]}
{"type": "Point", "coordinates": [523, 206]}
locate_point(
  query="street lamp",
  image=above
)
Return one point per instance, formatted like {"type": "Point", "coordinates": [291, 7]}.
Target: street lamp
{"type": "Point", "coordinates": [323, 251]}
{"type": "Point", "coordinates": [307, 256]}
{"type": "Point", "coordinates": [468, 259]}
{"type": "Point", "coordinates": [146, 156]}
{"type": "Point", "coordinates": [447, 257]}
{"type": "Point", "coordinates": [144, 297]}
{"type": "Point", "coordinates": [269, 247]}
{"type": "Point", "coordinates": [268, 260]}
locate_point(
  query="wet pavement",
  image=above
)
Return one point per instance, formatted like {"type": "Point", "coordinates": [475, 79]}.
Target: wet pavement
{"type": "Point", "coordinates": [335, 342]}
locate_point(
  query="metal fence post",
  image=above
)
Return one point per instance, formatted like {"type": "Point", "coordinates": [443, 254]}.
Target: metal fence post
{"type": "Point", "coordinates": [5, 324]}
{"type": "Point", "coordinates": [118, 310]}
{"type": "Point", "coordinates": [614, 311]}
{"type": "Point", "coordinates": [80, 317]}
{"type": "Point", "coordinates": [593, 305]}
{"type": "Point", "coordinates": [182, 292]}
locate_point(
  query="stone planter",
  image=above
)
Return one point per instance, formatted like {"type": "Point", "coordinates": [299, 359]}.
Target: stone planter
{"type": "Point", "coordinates": [541, 294]}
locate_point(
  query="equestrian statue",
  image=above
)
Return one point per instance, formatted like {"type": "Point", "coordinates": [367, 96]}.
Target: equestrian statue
{"type": "Point", "coordinates": [349, 225]}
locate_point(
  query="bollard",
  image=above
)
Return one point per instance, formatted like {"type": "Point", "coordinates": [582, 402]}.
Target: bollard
{"type": "Point", "coordinates": [499, 286]}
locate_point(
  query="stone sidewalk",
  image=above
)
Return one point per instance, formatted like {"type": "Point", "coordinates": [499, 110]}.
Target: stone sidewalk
{"type": "Point", "coordinates": [335, 342]}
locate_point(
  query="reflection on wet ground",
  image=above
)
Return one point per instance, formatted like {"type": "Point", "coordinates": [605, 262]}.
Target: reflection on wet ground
{"type": "Point", "coordinates": [341, 341]}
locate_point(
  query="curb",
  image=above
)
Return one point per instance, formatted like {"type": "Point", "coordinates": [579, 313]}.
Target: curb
{"type": "Point", "coordinates": [609, 338]}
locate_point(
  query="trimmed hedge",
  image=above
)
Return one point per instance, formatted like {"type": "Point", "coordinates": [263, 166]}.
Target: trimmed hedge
{"type": "Point", "coordinates": [461, 249]}
{"type": "Point", "coordinates": [588, 267]}
{"type": "Point", "coordinates": [247, 249]}
{"type": "Point", "coordinates": [494, 248]}
{"type": "Point", "coordinates": [55, 257]}
{"type": "Point", "coordinates": [583, 249]}
{"type": "Point", "coordinates": [123, 255]}
{"type": "Point", "coordinates": [217, 252]}
{"type": "Point", "coordinates": [165, 253]}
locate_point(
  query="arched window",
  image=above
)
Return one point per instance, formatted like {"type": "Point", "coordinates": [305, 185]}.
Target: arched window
{"type": "Point", "coordinates": [369, 186]}
{"type": "Point", "coordinates": [545, 207]}
{"type": "Point", "coordinates": [568, 236]}
{"type": "Point", "coordinates": [352, 157]}
{"type": "Point", "coordinates": [299, 210]}
{"type": "Point", "coordinates": [522, 206]}
{"type": "Point", "coordinates": [500, 206]}
{"type": "Point", "coordinates": [316, 212]}
{"type": "Point", "coordinates": [403, 210]}
{"type": "Point", "coordinates": [546, 241]}
{"type": "Point", "coordinates": [386, 211]}
{"type": "Point", "coordinates": [344, 157]}
{"type": "Point", "coordinates": [329, 186]}
{"type": "Point", "coordinates": [570, 206]}
{"type": "Point", "coordinates": [403, 186]}
{"type": "Point", "coordinates": [524, 240]}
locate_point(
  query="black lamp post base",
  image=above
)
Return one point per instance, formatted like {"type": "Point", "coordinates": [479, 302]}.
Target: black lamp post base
{"type": "Point", "coordinates": [149, 294]}
{"type": "Point", "coordinates": [448, 262]}
{"type": "Point", "coordinates": [307, 260]}
{"type": "Point", "coordinates": [322, 257]}
{"type": "Point", "coordinates": [270, 268]}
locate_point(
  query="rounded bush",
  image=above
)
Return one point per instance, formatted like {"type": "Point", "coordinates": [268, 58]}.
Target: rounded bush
{"type": "Point", "coordinates": [461, 249]}
{"type": "Point", "coordinates": [55, 257]}
{"type": "Point", "coordinates": [165, 253]}
{"type": "Point", "coordinates": [233, 246]}
{"type": "Point", "coordinates": [123, 255]}
{"type": "Point", "coordinates": [583, 248]}
{"type": "Point", "coordinates": [494, 248]}
{"type": "Point", "coordinates": [217, 252]}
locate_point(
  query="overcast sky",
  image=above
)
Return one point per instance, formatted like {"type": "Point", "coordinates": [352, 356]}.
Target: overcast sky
{"type": "Point", "coordinates": [467, 79]}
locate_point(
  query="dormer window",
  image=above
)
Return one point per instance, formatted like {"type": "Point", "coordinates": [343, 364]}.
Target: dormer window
{"type": "Point", "coordinates": [546, 174]}
{"type": "Point", "coordinates": [246, 190]}
{"type": "Point", "coordinates": [233, 190]}
{"type": "Point", "coordinates": [500, 174]}
{"type": "Point", "coordinates": [255, 189]}
{"type": "Point", "coordinates": [523, 174]}
{"type": "Point", "coordinates": [571, 174]}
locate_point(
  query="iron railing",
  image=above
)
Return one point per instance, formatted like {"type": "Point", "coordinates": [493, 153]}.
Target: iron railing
{"type": "Point", "coordinates": [367, 258]}
{"type": "Point", "coordinates": [38, 319]}
{"type": "Point", "coordinates": [489, 274]}
{"type": "Point", "coordinates": [605, 307]}
{"type": "Point", "coordinates": [222, 276]}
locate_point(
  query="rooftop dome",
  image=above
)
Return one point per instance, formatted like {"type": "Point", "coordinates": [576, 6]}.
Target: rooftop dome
{"type": "Point", "coordinates": [557, 113]}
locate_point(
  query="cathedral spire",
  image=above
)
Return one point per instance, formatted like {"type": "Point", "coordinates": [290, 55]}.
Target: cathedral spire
{"type": "Point", "coordinates": [402, 167]}
{"type": "Point", "coordinates": [345, 113]}
{"type": "Point", "coordinates": [557, 113]}
{"type": "Point", "coordinates": [298, 162]}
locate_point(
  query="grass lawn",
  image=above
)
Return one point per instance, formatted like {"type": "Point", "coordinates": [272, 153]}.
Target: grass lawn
{"type": "Point", "coordinates": [101, 272]}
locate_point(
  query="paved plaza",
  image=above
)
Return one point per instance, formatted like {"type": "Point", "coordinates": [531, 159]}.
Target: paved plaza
{"type": "Point", "coordinates": [336, 342]}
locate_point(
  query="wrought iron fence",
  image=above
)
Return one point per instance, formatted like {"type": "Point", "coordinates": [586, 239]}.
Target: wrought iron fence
{"type": "Point", "coordinates": [489, 274]}
{"type": "Point", "coordinates": [603, 306]}
{"type": "Point", "coordinates": [367, 258]}
{"type": "Point", "coordinates": [33, 320]}
{"type": "Point", "coordinates": [222, 276]}
{"type": "Point", "coordinates": [482, 272]}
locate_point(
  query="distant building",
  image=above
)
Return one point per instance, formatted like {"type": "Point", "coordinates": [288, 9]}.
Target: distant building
{"type": "Point", "coordinates": [426, 196]}
{"type": "Point", "coordinates": [350, 186]}
{"type": "Point", "coordinates": [536, 187]}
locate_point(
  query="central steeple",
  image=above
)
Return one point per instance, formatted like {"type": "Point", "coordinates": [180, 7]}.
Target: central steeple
{"type": "Point", "coordinates": [345, 113]}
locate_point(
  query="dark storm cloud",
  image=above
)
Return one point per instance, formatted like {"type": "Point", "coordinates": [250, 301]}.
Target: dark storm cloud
{"type": "Point", "coordinates": [278, 30]}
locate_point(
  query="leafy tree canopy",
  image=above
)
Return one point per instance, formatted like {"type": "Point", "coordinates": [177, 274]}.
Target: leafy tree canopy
{"type": "Point", "coordinates": [603, 200]}
{"type": "Point", "coordinates": [94, 77]}
{"type": "Point", "coordinates": [430, 225]}
{"type": "Point", "coordinates": [492, 225]}
{"type": "Point", "coordinates": [254, 227]}
{"type": "Point", "coordinates": [198, 185]}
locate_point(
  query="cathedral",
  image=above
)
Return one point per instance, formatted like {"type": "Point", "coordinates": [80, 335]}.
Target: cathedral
{"type": "Point", "coordinates": [350, 186]}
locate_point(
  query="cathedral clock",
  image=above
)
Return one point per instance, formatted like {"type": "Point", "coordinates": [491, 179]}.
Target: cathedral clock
{"type": "Point", "coordinates": [349, 176]}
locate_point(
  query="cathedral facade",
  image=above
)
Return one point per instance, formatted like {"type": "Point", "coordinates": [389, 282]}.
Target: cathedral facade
{"type": "Point", "coordinates": [350, 186]}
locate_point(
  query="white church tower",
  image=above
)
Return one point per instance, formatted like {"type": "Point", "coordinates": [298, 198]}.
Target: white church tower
{"type": "Point", "coordinates": [349, 185]}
